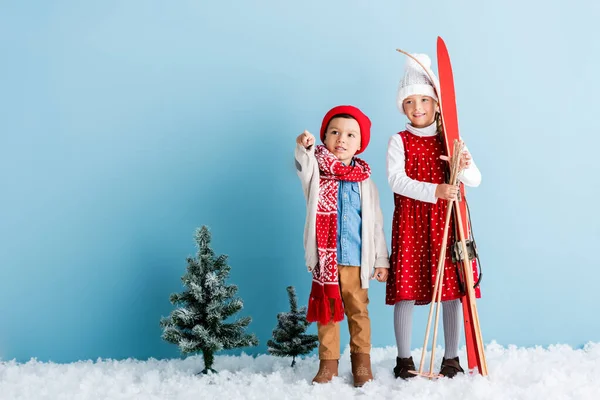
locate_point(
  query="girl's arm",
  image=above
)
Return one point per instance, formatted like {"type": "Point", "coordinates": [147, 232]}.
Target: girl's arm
{"type": "Point", "coordinates": [399, 181]}
{"type": "Point", "coordinates": [471, 175]}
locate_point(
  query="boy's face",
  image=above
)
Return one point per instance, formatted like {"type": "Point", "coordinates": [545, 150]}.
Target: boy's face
{"type": "Point", "coordinates": [342, 138]}
{"type": "Point", "coordinates": [420, 110]}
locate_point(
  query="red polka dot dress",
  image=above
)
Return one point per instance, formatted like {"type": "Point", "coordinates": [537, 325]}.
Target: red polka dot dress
{"type": "Point", "coordinates": [417, 230]}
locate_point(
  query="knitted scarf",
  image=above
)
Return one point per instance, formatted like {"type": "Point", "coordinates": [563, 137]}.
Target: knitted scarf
{"type": "Point", "coordinates": [325, 286]}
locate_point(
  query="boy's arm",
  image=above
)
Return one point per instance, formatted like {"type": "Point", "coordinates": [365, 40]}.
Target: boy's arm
{"type": "Point", "coordinates": [400, 182]}
{"type": "Point", "coordinates": [305, 160]}
{"type": "Point", "coordinates": [382, 259]}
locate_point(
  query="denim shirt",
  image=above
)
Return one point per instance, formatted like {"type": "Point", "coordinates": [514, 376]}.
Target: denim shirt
{"type": "Point", "coordinates": [349, 224]}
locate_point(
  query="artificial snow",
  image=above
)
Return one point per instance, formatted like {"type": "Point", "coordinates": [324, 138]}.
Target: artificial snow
{"type": "Point", "coordinates": [556, 372]}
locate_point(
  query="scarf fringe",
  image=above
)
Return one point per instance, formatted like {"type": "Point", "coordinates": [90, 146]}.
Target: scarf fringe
{"type": "Point", "coordinates": [320, 305]}
{"type": "Point", "coordinates": [319, 310]}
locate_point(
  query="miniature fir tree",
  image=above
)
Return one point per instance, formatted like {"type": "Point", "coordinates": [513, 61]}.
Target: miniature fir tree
{"type": "Point", "coordinates": [289, 338]}
{"type": "Point", "coordinates": [198, 324]}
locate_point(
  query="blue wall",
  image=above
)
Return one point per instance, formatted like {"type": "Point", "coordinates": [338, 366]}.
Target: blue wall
{"type": "Point", "coordinates": [124, 125]}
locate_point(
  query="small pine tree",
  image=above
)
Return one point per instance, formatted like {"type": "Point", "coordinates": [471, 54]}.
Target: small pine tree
{"type": "Point", "coordinates": [197, 325]}
{"type": "Point", "coordinates": [289, 339]}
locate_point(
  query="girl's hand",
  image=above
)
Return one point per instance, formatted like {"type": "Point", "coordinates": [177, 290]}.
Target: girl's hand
{"type": "Point", "coordinates": [306, 139]}
{"type": "Point", "coordinates": [446, 192]}
{"type": "Point", "coordinates": [380, 274]}
{"type": "Point", "coordinates": [465, 160]}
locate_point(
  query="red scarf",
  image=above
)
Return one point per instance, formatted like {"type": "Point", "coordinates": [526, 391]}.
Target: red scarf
{"type": "Point", "coordinates": [325, 286]}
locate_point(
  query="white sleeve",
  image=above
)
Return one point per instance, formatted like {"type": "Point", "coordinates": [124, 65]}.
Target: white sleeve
{"type": "Point", "coordinates": [382, 259]}
{"type": "Point", "coordinates": [399, 182]}
{"type": "Point", "coordinates": [305, 165]}
{"type": "Point", "coordinates": [470, 176]}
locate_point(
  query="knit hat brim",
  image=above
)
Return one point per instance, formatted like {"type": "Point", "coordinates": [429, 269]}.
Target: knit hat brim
{"type": "Point", "coordinates": [420, 89]}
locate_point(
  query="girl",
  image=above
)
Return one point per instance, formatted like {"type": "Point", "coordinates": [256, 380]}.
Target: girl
{"type": "Point", "coordinates": [416, 170]}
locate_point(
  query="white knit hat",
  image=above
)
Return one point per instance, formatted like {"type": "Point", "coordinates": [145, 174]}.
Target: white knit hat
{"type": "Point", "coordinates": [416, 80]}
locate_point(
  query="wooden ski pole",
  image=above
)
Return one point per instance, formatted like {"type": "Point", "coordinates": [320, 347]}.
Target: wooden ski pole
{"type": "Point", "coordinates": [454, 170]}
{"type": "Point", "coordinates": [437, 286]}
{"type": "Point", "coordinates": [437, 290]}
{"type": "Point", "coordinates": [437, 312]}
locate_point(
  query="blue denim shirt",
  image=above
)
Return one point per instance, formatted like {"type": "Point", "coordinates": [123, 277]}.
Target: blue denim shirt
{"type": "Point", "coordinates": [349, 225]}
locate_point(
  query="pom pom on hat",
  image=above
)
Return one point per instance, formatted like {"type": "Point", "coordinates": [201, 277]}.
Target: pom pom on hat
{"type": "Point", "coordinates": [416, 80]}
{"type": "Point", "coordinates": [363, 122]}
{"type": "Point", "coordinates": [414, 65]}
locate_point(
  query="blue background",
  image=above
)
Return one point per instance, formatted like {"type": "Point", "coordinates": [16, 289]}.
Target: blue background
{"type": "Point", "coordinates": [127, 124]}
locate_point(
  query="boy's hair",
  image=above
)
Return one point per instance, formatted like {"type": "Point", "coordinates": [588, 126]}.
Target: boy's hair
{"type": "Point", "coordinates": [342, 115]}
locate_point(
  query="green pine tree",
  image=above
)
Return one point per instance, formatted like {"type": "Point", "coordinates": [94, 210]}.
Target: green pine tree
{"type": "Point", "coordinates": [198, 324]}
{"type": "Point", "coordinates": [289, 338]}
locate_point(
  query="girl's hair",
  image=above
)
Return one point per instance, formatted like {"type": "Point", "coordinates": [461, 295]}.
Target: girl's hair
{"type": "Point", "coordinates": [347, 116]}
{"type": "Point", "coordinates": [438, 123]}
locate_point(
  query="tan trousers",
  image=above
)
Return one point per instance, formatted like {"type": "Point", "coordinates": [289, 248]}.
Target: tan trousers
{"type": "Point", "coordinates": [355, 301]}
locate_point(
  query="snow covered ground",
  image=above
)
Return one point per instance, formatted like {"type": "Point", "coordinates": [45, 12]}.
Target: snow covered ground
{"type": "Point", "coordinates": [557, 372]}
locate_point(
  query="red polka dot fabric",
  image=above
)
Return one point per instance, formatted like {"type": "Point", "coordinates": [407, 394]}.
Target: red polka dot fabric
{"type": "Point", "coordinates": [417, 230]}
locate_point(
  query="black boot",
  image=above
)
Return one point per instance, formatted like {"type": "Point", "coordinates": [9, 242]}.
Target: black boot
{"type": "Point", "coordinates": [450, 367]}
{"type": "Point", "coordinates": [403, 365]}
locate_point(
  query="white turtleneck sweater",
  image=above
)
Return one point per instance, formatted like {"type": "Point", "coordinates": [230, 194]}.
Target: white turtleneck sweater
{"type": "Point", "coordinates": [424, 191]}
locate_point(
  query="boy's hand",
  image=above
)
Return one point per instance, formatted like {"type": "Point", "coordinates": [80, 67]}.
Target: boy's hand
{"type": "Point", "coordinates": [306, 139]}
{"type": "Point", "coordinates": [380, 274]}
{"type": "Point", "coordinates": [446, 192]}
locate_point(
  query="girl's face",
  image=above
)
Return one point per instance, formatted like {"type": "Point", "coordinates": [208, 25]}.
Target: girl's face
{"type": "Point", "coordinates": [420, 110]}
{"type": "Point", "coordinates": [342, 138]}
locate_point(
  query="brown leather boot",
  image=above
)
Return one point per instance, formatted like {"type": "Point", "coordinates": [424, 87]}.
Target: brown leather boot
{"type": "Point", "coordinates": [327, 370]}
{"type": "Point", "coordinates": [361, 368]}
{"type": "Point", "coordinates": [450, 367]}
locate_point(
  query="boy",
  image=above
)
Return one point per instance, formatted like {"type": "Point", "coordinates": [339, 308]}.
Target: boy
{"type": "Point", "coordinates": [343, 237]}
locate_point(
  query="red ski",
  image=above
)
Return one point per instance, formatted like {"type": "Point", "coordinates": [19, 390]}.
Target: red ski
{"type": "Point", "coordinates": [474, 341]}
